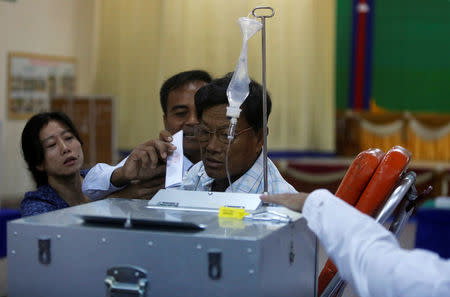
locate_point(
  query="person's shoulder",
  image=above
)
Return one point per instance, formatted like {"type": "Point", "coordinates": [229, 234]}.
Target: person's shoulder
{"type": "Point", "coordinates": [44, 199]}
{"type": "Point", "coordinates": [31, 194]}
{"type": "Point", "coordinates": [35, 202]}
{"type": "Point", "coordinates": [277, 181]}
{"type": "Point", "coordinates": [272, 167]}
{"type": "Point", "coordinates": [41, 192]}
{"type": "Point", "coordinates": [273, 172]}
{"type": "Point", "coordinates": [30, 207]}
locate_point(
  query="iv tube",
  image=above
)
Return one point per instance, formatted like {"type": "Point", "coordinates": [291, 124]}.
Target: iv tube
{"type": "Point", "coordinates": [238, 89]}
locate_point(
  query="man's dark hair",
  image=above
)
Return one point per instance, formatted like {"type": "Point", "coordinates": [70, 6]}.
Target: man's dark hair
{"type": "Point", "coordinates": [215, 94]}
{"type": "Point", "coordinates": [32, 149]}
{"type": "Point", "coordinates": [179, 80]}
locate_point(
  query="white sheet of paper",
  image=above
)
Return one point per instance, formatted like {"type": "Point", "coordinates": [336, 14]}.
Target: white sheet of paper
{"type": "Point", "coordinates": [174, 169]}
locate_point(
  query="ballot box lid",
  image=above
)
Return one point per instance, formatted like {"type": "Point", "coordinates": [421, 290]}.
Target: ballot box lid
{"type": "Point", "coordinates": [135, 215]}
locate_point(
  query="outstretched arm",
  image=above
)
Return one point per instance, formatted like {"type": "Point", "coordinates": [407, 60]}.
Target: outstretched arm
{"type": "Point", "coordinates": [366, 254]}
{"type": "Point", "coordinates": [143, 163]}
{"type": "Point", "coordinates": [144, 189]}
{"type": "Point", "coordinates": [146, 162]}
{"type": "Point", "coordinates": [97, 182]}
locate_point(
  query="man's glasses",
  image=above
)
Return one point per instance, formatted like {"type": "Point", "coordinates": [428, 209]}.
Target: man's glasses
{"type": "Point", "coordinates": [203, 134]}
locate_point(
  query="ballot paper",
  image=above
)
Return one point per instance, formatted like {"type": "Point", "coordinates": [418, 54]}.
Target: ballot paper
{"type": "Point", "coordinates": [174, 169]}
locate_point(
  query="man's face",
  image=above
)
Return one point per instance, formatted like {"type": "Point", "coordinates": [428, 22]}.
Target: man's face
{"type": "Point", "coordinates": [182, 115]}
{"type": "Point", "coordinates": [243, 151]}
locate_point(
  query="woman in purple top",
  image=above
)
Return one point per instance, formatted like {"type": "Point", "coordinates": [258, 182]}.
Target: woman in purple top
{"type": "Point", "coordinates": [52, 149]}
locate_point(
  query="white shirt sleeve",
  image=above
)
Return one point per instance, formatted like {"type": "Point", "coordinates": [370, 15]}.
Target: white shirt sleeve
{"type": "Point", "coordinates": [368, 256]}
{"type": "Point", "coordinates": [97, 183]}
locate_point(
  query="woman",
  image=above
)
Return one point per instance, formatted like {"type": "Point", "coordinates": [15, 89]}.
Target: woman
{"type": "Point", "coordinates": [52, 150]}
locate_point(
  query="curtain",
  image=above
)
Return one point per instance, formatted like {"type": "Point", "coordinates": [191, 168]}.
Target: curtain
{"type": "Point", "coordinates": [141, 43]}
{"type": "Point", "coordinates": [426, 136]}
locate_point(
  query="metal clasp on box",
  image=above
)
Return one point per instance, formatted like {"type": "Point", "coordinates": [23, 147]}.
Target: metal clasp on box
{"type": "Point", "coordinates": [126, 281]}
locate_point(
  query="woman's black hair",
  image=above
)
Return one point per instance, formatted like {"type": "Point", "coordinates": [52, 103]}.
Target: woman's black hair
{"type": "Point", "coordinates": [214, 93]}
{"type": "Point", "coordinates": [32, 149]}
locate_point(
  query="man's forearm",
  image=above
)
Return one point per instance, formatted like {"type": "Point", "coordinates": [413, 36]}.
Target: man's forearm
{"type": "Point", "coordinates": [118, 178]}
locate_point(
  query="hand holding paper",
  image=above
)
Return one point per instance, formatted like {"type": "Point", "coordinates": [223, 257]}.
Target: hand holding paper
{"type": "Point", "coordinates": [174, 168]}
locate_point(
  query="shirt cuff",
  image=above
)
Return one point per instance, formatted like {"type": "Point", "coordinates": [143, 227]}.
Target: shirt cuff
{"type": "Point", "coordinates": [313, 208]}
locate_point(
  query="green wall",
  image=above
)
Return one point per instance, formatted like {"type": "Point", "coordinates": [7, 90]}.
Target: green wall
{"type": "Point", "coordinates": [411, 57]}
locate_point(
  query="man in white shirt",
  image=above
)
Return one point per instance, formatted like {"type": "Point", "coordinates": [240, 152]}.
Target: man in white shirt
{"type": "Point", "coordinates": [141, 174]}
{"type": "Point", "coordinates": [245, 160]}
{"type": "Point", "coordinates": [368, 256]}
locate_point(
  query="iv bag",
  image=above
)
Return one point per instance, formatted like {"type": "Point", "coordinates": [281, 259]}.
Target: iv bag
{"type": "Point", "coordinates": [238, 90]}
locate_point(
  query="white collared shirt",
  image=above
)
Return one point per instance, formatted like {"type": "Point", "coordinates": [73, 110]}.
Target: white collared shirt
{"type": "Point", "coordinates": [196, 179]}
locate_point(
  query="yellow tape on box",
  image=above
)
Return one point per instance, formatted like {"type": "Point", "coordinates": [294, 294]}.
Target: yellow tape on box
{"type": "Point", "coordinates": [232, 212]}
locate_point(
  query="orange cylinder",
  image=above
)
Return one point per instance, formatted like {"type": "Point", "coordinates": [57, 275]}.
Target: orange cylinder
{"type": "Point", "coordinates": [351, 187]}
{"type": "Point", "coordinates": [358, 175]}
{"type": "Point", "coordinates": [384, 180]}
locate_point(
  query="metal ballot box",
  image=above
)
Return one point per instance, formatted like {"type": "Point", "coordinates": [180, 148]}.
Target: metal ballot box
{"type": "Point", "coordinates": [122, 247]}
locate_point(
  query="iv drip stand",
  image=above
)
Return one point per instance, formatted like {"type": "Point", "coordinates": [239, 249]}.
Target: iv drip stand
{"type": "Point", "coordinates": [263, 32]}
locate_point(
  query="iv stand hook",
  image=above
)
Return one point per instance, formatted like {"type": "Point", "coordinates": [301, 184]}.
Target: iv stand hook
{"type": "Point", "coordinates": [263, 8]}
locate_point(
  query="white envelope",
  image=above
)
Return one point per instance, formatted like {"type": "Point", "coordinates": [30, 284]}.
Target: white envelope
{"type": "Point", "coordinates": [174, 169]}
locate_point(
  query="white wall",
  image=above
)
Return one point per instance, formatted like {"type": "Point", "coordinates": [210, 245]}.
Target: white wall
{"type": "Point", "coordinates": [50, 27]}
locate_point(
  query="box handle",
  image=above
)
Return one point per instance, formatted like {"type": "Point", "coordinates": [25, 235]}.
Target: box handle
{"type": "Point", "coordinates": [126, 281]}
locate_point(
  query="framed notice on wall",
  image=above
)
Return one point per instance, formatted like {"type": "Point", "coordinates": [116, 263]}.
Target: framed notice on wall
{"type": "Point", "coordinates": [34, 79]}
